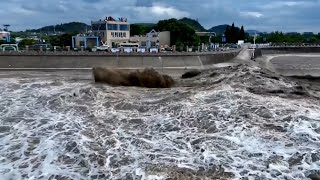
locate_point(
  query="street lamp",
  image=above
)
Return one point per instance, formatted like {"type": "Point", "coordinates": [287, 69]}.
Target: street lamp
{"type": "Point", "coordinates": [212, 34]}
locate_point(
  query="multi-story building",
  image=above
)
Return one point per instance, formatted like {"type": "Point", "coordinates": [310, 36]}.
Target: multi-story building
{"type": "Point", "coordinates": [112, 32]}
{"type": "Point", "coordinates": [153, 39]}
{"type": "Point", "coordinates": [4, 35]}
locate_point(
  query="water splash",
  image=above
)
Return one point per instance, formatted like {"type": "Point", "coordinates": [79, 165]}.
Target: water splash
{"type": "Point", "coordinates": [59, 128]}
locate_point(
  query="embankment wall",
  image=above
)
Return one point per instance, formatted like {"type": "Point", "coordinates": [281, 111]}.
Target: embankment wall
{"type": "Point", "coordinates": [89, 60]}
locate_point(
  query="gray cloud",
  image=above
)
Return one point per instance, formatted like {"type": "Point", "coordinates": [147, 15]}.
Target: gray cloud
{"type": "Point", "coordinates": [264, 15]}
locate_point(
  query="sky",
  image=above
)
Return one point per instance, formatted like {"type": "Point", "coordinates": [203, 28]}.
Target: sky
{"type": "Point", "coordinates": [262, 15]}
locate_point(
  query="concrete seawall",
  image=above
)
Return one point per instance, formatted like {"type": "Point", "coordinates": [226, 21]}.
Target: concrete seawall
{"type": "Point", "coordinates": [289, 50]}
{"type": "Point", "coordinates": [291, 61]}
{"type": "Point", "coordinates": [88, 60]}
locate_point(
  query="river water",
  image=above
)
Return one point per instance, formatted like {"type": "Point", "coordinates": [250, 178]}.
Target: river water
{"type": "Point", "coordinates": [60, 125]}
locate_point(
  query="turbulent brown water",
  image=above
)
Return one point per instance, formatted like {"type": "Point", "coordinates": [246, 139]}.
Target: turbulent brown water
{"type": "Point", "coordinates": [228, 123]}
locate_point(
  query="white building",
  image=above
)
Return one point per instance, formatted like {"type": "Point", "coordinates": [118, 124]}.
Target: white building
{"type": "Point", "coordinates": [4, 34]}
{"type": "Point", "coordinates": [156, 39]}
{"type": "Point", "coordinates": [112, 31]}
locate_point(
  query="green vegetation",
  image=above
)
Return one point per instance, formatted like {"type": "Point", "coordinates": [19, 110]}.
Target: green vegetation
{"type": "Point", "coordinates": [233, 34]}
{"type": "Point", "coordinates": [280, 37]}
{"type": "Point", "coordinates": [5, 42]}
{"type": "Point", "coordinates": [219, 30]}
{"type": "Point", "coordinates": [61, 40]}
{"type": "Point", "coordinates": [66, 28]}
{"type": "Point", "coordinates": [140, 29]}
{"type": "Point", "coordinates": [182, 34]}
{"type": "Point", "coordinates": [194, 24]}
{"type": "Point", "coordinates": [27, 42]}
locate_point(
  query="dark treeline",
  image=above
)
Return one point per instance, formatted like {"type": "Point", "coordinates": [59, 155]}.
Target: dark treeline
{"type": "Point", "coordinates": [295, 38]}
{"type": "Point", "coordinates": [233, 34]}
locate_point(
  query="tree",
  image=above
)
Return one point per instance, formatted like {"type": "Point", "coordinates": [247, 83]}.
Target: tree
{"type": "Point", "coordinates": [12, 41]}
{"type": "Point", "coordinates": [27, 42]}
{"type": "Point", "coordinates": [228, 34]}
{"type": "Point", "coordinates": [140, 29]}
{"type": "Point", "coordinates": [181, 33]}
{"type": "Point", "coordinates": [232, 33]}
{"type": "Point", "coordinates": [242, 34]}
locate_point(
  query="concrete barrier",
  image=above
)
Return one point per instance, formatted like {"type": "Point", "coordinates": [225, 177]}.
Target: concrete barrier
{"type": "Point", "coordinates": [89, 60]}
{"type": "Point", "coordinates": [288, 50]}
{"type": "Point", "coordinates": [292, 61]}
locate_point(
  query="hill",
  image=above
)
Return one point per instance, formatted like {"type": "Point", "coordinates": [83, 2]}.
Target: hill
{"type": "Point", "coordinates": [220, 29]}
{"type": "Point", "coordinates": [252, 32]}
{"type": "Point", "coordinates": [141, 28]}
{"type": "Point", "coordinates": [145, 24]}
{"type": "Point", "coordinates": [193, 23]}
{"type": "Point", "coordinates": [66, 27]}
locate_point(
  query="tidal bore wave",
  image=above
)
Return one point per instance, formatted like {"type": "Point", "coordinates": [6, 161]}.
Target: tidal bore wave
{"type": "Point", "coordinates": [227, 123]}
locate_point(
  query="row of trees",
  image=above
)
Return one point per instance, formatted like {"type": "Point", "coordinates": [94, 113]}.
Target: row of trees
{"type": "Point", "coordinates": [233, 34]}
{"type": "Point", "coordinates": [58, 40]}
{"type": "Point", "coordinates": [183, 34]}
{"type": "Point", "coordinates": [280, 37]}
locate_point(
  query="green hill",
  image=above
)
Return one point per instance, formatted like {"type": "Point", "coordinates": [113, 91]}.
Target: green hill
{"type": "Point", "coordinates": [66, 27]}
{"type": "Point", "coordinates": [219, 29]}
{"type": "Point", "coordinates": [193, 23]}
{"type": "Point", "coordinates": [141, 28]}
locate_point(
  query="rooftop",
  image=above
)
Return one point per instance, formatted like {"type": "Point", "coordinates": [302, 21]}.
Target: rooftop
{"type": "Point", "coordinates": [111, 19]}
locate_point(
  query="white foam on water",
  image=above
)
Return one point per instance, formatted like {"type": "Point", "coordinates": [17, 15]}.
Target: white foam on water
{"type": "Point", "coordinates": [79, 130]}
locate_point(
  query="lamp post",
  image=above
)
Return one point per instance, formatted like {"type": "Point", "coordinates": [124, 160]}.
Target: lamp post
{"type": "Point", "coordinates": [214, 42]}
{"type": "Point", "coordinates": [212, 34]}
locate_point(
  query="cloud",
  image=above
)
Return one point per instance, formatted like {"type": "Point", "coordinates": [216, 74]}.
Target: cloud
{"type": "Point", "coordinates": [263, 15]}
{"type": "Point", "coordinates": [251, 14]}
{"type": "Point", "coordinates": [157, 11]}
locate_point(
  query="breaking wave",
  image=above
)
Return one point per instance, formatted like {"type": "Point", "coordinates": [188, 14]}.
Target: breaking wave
{"type": "Point", "coordinates": [227, 123]}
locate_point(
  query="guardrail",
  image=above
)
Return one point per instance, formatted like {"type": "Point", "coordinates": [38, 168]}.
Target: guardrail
{"type": "Point", "coordinates": [286, 45]}
{"type": "Point", "coordinates": [113, 52]}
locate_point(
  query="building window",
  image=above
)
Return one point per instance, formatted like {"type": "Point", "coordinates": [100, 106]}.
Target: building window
{"type": "Point", "coordinates": [124, 27]}
{"type": "Point", "coordinates": [153, 44]}
{"type": "Point", "coordinates": [103, 27]}
{"type": "Point", "coordinates": [113, 27]}
{"type": "Point", "coordinates": [124, 34]}
{"type": "Point", "coordinates": [97, 27]}
{"type": "Point", "coordinates": [112, 34]}
{"type": "Point", "coordinates": [143, 43]}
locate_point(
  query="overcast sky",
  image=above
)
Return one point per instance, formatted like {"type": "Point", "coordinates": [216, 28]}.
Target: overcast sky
{"type": "Point", "coordinates": [263, 15]}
